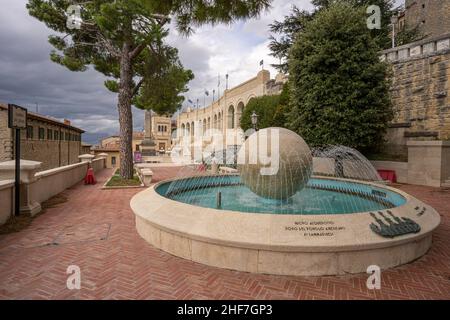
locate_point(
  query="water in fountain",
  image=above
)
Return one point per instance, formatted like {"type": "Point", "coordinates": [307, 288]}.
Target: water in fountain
{"type": "Point", "coordinates": [198, 185]}
{"type": "Point", "coordinates": [343, 162]}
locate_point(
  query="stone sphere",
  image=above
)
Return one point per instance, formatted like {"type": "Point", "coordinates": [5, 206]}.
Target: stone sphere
{"type": "Point", "coordinates": [275, 163]}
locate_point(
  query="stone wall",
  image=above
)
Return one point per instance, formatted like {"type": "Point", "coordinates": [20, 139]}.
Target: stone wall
{"type": "Point", "coordinates": [6, 199]}
{"type": "Point", "coordinates": [44, 185]}
{"type": "Point", "coordinates": [420, 92]}
{"type": "Point", "coordinates": [5, 137]}
{"type": "Point", "coordinates": [51, 152]}
{"type": "Point", "coordinates": [432, 16]}
{"type": "Point", "coordinates": [51, 182]}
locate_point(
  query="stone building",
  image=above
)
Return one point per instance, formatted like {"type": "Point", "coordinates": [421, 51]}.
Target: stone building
{"type": "Point", "coordinates": [160, 133]}
{"type": "Point", "coordinates": [225, 113]}
{"type": "Point", "coordinates": [47, 140]}
{"type": "Point", "coordinates": [110, 147]}
{"type": "Point", "coordinates": [161, 129]}
{"type": "Point", "coordinates": [432, 16]}
{"type": "Point", "coordinates": [420, 92]}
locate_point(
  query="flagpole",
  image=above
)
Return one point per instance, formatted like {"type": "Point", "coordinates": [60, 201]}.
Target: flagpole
{"type": "Point", "coordinates": [218, 87]}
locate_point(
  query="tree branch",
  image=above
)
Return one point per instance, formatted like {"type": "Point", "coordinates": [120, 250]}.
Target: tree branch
{"type": "Point", "coordinates": [138, 86]}
{"type": "Point", "coordinates": [137, 51]}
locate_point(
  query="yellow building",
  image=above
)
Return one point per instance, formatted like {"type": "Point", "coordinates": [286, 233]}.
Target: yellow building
{"type": "Point", "coordinates": [161, 128]}
{"type": "Point", "coordinates": [225, 113]}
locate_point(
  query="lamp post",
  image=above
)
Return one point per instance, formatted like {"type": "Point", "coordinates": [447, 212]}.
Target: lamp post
{"type": "Point", "coordinates": [254, 118]}
{"type": "Point", "coordinates": [394, 20]}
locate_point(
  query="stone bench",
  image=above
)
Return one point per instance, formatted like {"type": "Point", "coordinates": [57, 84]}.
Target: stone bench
{"type": "Point", "coordinates": [146, 177]}
{"type": "Point", "coordinates": [143, 170]}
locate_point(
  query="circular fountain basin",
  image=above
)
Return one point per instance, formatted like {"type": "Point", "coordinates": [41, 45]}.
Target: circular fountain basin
{"type": "Point", "coordinates": [322, 230]}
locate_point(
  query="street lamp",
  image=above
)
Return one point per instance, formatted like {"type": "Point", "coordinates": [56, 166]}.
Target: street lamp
{"type": "Point", "coordinates": [394, 21]}
{"type": "Point", "coordinates": [254, 120]}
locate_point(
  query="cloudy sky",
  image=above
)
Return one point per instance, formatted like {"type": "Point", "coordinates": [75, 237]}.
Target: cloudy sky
{"type": "Point", "coordinates": [30, 79]}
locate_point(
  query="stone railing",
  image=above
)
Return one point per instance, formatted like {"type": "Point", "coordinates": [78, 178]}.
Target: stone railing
{"type": "Point", "coordinates": [52, 182]}
{"type": "Point", "coordinates": [37, 187]}
{"type": "Point", "coordinates": [418, 49]}
{"type": "Point", "coordinates": [6, 199]}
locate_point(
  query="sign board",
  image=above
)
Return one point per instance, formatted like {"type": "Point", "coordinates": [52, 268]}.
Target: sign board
{"type": "Point", "coordinates": [17, 117]}
{"type": "Point", "coordinates": [137, 157]}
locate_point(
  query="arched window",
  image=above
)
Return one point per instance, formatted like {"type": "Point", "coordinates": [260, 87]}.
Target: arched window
{"type": "Point", "coordinates": [230, 117]}
{"type": "Point", "coordinates": [240, 109]}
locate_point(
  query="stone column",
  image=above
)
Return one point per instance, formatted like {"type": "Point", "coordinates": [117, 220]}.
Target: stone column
{"type": "Point", "coordinates": [28, 171]}
{"type": "Point", "coordinates": [86, 157]}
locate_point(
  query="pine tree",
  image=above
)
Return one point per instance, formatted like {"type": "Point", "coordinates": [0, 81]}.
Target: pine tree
{"type": "Point", "coordinates": [115, 35]}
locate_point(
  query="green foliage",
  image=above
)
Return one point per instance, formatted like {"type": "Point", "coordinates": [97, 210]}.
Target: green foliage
{"type": "Point", "coordinates": [339, 92]}
{"type": "Point", "coordinates": [283, 33]}
{"type": "Point", "coordinates": [286, 31]}
{"type": "Point", "coordinates": [112, 27]}
{"type": "Point", "coordinates": [118, 38]}
{"type": "Point", "coordinates": [271, 110]}
{"type": "Point", "coordinates": [265, 107]}
{"type": "Point", "coordinates": [279, 118]}
{"type": "Point", "coordinates": [166, 81]}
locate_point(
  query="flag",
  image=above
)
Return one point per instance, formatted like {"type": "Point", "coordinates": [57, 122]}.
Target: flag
{"type": "Point", "coordinates": [261, 63]}
{"type": "Point", "coordinates": [190, 101]}
{"type": "Point", "coordinates": [206, 92]}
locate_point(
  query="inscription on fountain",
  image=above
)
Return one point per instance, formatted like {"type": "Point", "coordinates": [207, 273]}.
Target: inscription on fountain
{"type": "Point", "coordinates": [315, 228]}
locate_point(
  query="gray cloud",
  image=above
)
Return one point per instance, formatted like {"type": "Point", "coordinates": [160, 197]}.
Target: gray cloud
{"type": "Point", "coordinates": [27, 76]}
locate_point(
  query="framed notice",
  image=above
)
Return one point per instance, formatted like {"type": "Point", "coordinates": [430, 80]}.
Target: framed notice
{"type": "Point", "coordinates": [17, 117]}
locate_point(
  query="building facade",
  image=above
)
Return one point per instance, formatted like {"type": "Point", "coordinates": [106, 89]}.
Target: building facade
{"type": "Point", "coordinates": [47, 140]}
{"type": "Point", "coordinates": [225, 114]}
{"type": "Point", "coordinates": [432, 16]}
{"type": "Point", "coordinates": [161, 128]}
{"type": "Point", "coordinates": [420, 92]}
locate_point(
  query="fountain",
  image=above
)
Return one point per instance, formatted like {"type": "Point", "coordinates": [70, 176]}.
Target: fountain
{"type": "Point", "coordinates": [289, 210]}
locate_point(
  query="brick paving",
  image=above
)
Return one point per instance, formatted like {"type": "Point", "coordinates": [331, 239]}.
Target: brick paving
{"type": "Point", "coordinates": [95, 230]}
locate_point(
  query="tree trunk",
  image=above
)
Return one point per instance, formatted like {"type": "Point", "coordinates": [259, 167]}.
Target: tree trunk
{"type": "Point", "coordinates": [125, 115]}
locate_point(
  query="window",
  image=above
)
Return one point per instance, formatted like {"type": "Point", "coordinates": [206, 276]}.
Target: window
{"type": "Point", "coordinates": [41, 134]}
{"type": "Point", "coordinates": [423, 6]}
{"type": "Point", "coordinates": [49, 134]}
{"type": "Point", "coordinates": [29, 132]}
{"type": "Point", "coordinates": [56, 135]}
{"type": "Point", "coordinates": [113, 161]}
{"type": "Point", "coordinates": [67, 136]}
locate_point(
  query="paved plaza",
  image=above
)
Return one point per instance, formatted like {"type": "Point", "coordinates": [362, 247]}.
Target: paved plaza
{"type": "Point", "coordinates": [95, 230]}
